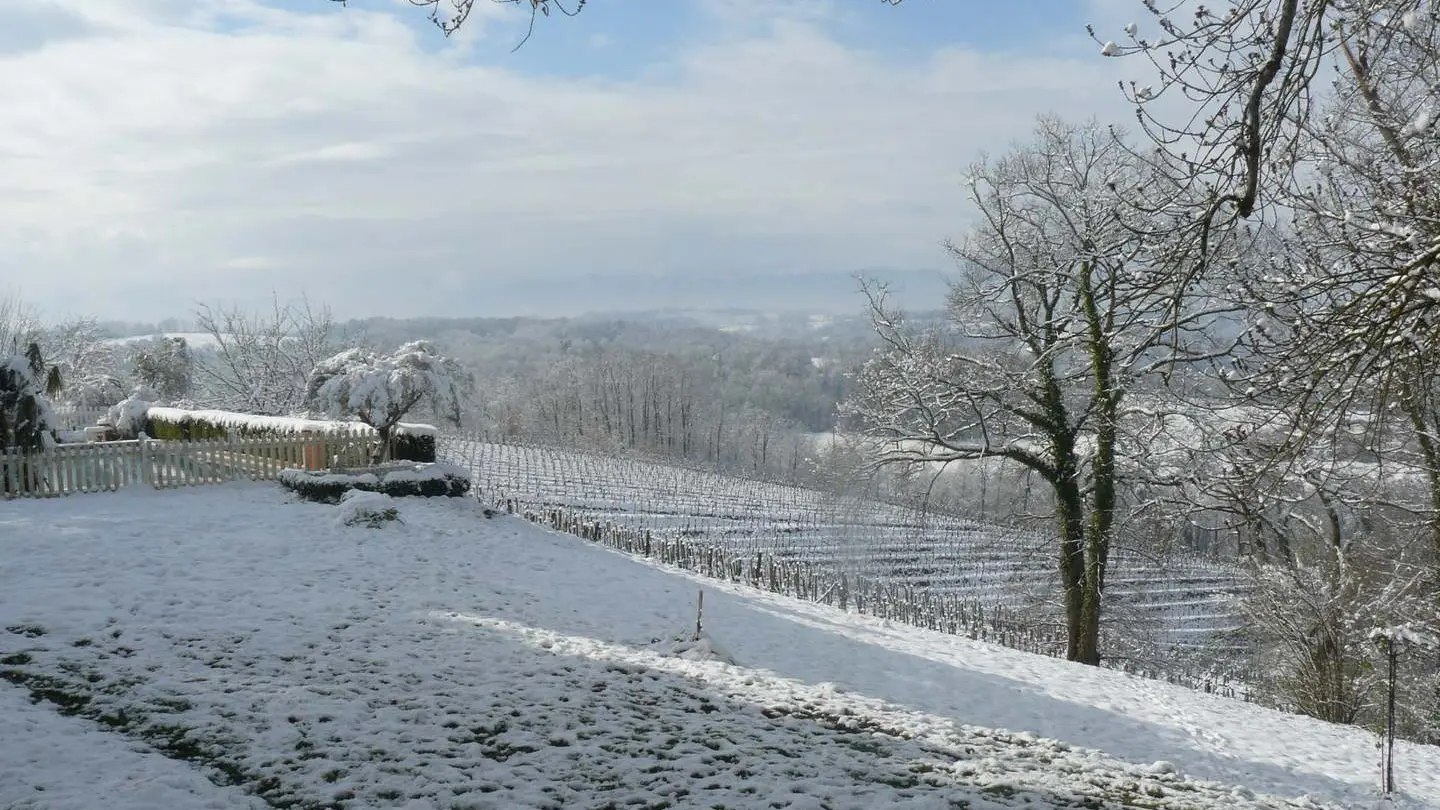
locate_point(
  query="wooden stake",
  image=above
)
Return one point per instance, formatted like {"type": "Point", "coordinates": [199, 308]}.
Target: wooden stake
{"type": "Point", "coordinates": [699, 610]}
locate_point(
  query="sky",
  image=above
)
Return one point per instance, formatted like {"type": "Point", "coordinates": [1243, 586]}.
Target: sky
{"type": "Point", "coordinates": [159, 153]}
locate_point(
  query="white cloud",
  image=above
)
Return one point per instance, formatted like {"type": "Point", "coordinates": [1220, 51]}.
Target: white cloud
{"type": "Point", "coordinates": [163, 139]}
{"type": "Point", "coordinates": [250, 263]}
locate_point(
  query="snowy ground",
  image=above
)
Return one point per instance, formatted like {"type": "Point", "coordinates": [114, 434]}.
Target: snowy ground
{"type": "Point", "coordinates": [462, 662]}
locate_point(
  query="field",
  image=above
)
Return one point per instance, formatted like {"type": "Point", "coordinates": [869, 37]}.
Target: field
{"type": "Point", "coordinates": [227, 647]}
{"type": "Point", "coordinates": [1155, 606]}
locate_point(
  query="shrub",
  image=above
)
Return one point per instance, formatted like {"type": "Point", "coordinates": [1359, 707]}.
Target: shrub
{"type": "Point", "coordinates": [129, 416]}
{"type": "Point", "coordinates": [413, 443]}
{"type": "Point", "coordinates": [397, 481]}
{"type": "Point", "coordinates": [373, 510]}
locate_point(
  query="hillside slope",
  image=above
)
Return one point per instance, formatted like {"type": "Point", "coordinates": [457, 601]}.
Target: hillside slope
{"type": "Point", "coordinates": [1182, 603]}
{"type": "Point", "coordinates": [456, 661]}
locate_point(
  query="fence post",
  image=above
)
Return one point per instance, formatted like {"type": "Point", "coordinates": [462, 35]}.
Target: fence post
{"type": "Point", "coordinates": [147, 472]}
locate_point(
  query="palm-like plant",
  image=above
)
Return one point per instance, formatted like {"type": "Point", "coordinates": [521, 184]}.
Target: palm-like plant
{"type": "Point", "coordinates": [26, 387]}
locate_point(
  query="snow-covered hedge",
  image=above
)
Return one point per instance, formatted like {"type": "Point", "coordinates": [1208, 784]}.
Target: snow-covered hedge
{"type": "Point", "coordinates": [410, 442]}
{"type": "Point", "coordinates": [427, 480]}
{"type": "Point", "coordinates": [175, 423]}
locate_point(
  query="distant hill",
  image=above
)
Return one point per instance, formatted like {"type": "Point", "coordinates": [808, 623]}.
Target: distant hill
{"type": "Point", "coordinates": [821, 292]}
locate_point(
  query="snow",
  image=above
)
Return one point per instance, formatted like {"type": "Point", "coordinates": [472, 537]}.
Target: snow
{"type": "Point", "coordinates": [1110, 49]}
{"type": "Point", "coordinates": [1418, 124]}
{"type": "Point", "coordinates": [262, 424]}
{"type": "Point", "coordinates": [459, 661]}
{"type": "Point", "coordinates": [358, 507]}
{"type": "Point", "coordinates": [390, 473]}
{"type": "Point", "coordinates": [290, 476]}
{"type": "Point", "coordinates": [50, 762]}
{"type": "Point", "coordinates": [1407, 634]}
{"type": "Point", "coordinates": [195, 340]}
{"type": "Point", "coordinates": [128, 415]}
{"type": "Point", "coordinates": [426, 472]}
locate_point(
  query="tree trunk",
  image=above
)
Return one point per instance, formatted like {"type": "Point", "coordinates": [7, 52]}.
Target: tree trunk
{"type": "Point", "coordinates": [1430, 457]}
{"type": "Point", "coordinates": [1097, 540]}
{"type": "Point", "coordinates": [382, 452]}
{"type": "Point", "coordinates": [1071, 510]}
{"type": "Point", "coordinates": [1102, 473]}
{"type": "Point", "coordinates": [1091, 594]}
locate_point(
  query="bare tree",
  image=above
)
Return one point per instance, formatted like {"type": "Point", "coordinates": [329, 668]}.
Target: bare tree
{"type": "Point", "coordinates": [1353, 290]}
{"type": "Point", "coordinates": [1062, 308]}
{"type": "Point", "coordinates": [1352, 159]}
{"type": "Point", "coordinates": [19, 325]}
{"type": "Point", "coordinates": [1322, 112]}
{"type": "Point", "coordinates": [1247, 73]}
{"type": "Point", "coordinates": [260, 362]}
{"type": "Point", "coordinates": [450, 15]}
{"type": "Point", "coordinates": [1333, 554]}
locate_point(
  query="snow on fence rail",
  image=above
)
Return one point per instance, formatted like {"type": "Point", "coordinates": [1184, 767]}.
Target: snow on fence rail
{"type": "Point", "coordinates": [105, 466]}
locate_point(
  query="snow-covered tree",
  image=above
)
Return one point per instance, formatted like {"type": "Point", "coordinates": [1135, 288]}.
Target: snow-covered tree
{"type": "Point", "coordinates": [163, 365]}
{"type": "Point", "coordinates": [88, 363]}
{"type": "Point", "coordinates": [1323, 516]}
{"type": "Point", "coordinates": [26, 387]}
{"type": "Point", "coordinates": [1309, 620]}
{"type": "Point", "coordinates": [1321, 117]}
{"type": "Point", "coordinates": [380, 390]}
{"type": "Point", "coordinates": [1332, 555]}
{"type": "Point", "coordinates": [1063, 308]}
{"type": "Point", "coordinates": [1348, 163]}
{"type": "Point", "coordinates": [1244, 84]}
{"type": "Point", "coordinates": [94, 390]}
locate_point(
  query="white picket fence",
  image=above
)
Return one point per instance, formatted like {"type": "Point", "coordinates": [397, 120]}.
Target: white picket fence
{"type": "Point", "coordinates": [68, 469]}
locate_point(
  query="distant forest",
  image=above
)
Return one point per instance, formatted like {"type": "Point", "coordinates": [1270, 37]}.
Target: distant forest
{"type": "Point", "coordinates": [743, 391]}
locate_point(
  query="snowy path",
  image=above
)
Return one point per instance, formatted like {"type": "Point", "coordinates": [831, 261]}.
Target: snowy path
{"type": "Point", "coordinates": [458, 662]}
